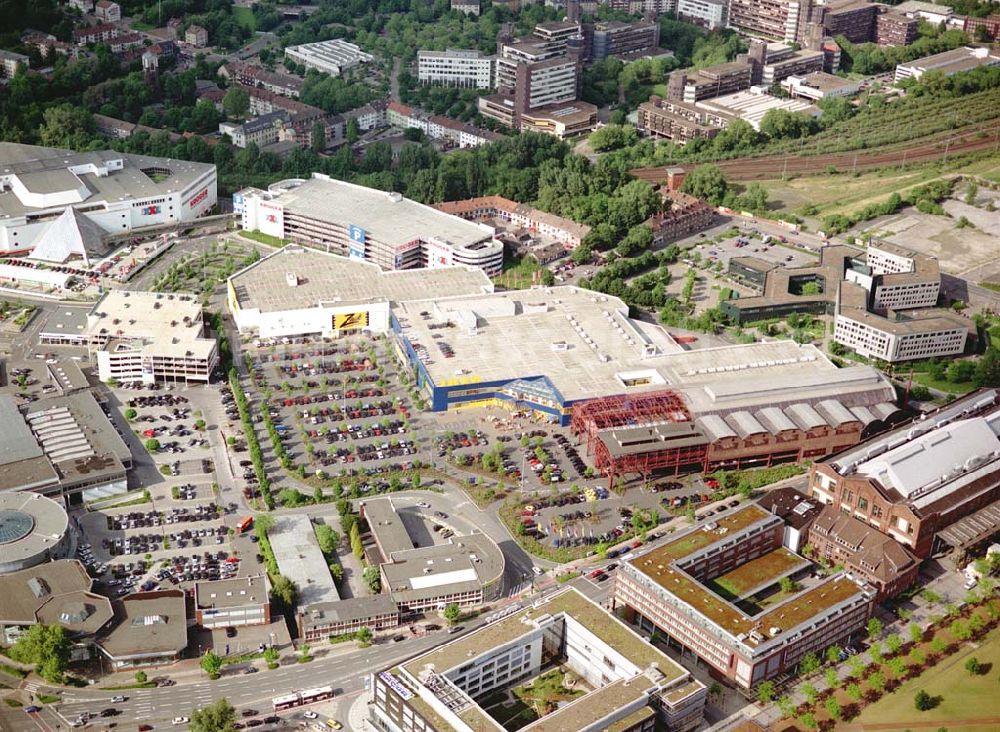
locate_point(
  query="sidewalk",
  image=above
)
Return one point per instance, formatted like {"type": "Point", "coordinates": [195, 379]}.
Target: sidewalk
{"type": "Point", "coordinates": [357, 717]}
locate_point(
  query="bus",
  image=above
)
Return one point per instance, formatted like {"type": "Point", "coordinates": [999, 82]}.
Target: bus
{"type": "Point", "coordinates": [244, 525]}
{"type": "Point", "coordinates": [300, 698]}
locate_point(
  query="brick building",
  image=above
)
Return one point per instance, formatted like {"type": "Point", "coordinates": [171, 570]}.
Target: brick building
{"type": "Point", "coordinates": [679, 121]}
{"type": "Point", "coordinates": [683, 215]}
{"type": "Point", "coordinates": [895, 29]}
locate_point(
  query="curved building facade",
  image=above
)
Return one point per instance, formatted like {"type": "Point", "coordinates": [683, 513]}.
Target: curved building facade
{"type": "Point", "coordinates": [33, 529]}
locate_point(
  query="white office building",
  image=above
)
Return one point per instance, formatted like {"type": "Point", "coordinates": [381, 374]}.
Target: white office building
{"type": "Point", "coordinates": [456, 67]}
{"type": "Point", "coordinates": [708, 13]}
{"type": "Point", "coordinates": [329, 57]}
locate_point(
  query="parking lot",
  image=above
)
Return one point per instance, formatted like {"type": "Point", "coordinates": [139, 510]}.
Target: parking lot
{"type": "Point", "coordinates": [749, 244]}
{"type": "Point", "coordinates": [336, 407]}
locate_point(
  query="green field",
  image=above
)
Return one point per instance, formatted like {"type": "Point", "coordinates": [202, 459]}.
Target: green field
{"type": "Point", "coordinates": [961, 695]}
{"type": "Point", "coordinates": [244, 16]}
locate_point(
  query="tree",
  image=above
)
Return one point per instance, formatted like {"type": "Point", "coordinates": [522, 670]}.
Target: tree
{"type": "Point", "coordinates": [708, 182]}
{"type": "Point", "coordinates": [765, 691]}
{"type": "Point", "coordinates": [317, 139]}
{"type": "Point", "coordinates": [352, 132]}
{"type": "Point", "coordinates": [130, 414]}
{"type": "Point", "coordinates": [271, 656]}
{"type": "Point", "coordinates": [833, 708]}
{"type": "Point", "coordinates": [923, 701]}
{"type": "Point", "coordinates": [971, 191]}
{"type": "Point", "coordinates": [874, 628]}
{"type": "Point", "coordinates": [854, 692]}
{"type": "Point", "coordinates": [152, 445]}
{"type": "Point", "coordinates": [973, 666]}
{"type": "Point", "coordinates": [832, 654]}
{"type": "Point", "coordinates": [236, 103]}
{"type": "Point", "coordinates": [140, 677]}
{"type": "Point", "coordinates": [808, 720]}
{"type": "Point", "coordinates": [810, 693]}
{"type": "Point", "coordinates": [894, 643]}
{"type": "Point", "coordinates": [373, 580]}
{"type": "Point", "coordinates": [786, 706]}
{"type": "Point", "coordinates": [47, 647]}
{"type": "Point", "coordinates": [363, 636]}
{"type": "Point", "coordinates": [199, 424]}
{"type": "Point", "coordinates": [788, 585]}
{"type": "Point", "coordinates": [327, 539]}
{"type": "Point", "coordinates": [831, 678]}
{"type": "Point", "coordinates": [284, 592]}
{"type": "Point", "coordinates": [218, 716]}
{"type": "Point", "coordinates": [877, 682]}
{"type": "Point", "coordinates": [452, 612]}
{"type": "Point", "coordinates": [915, 633]}
{"type": "Point", "coordinates": [809, 663]}
{"type": "Point", "coordinates": [781, 124]}
{"type": "Point", "coordinates": [356, 546]}
{"type": "Point", "coordinates": [211, 664]}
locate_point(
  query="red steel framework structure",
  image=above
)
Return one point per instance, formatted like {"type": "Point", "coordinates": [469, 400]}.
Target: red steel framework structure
{"type": "Point", "coordinates": [634, 410]}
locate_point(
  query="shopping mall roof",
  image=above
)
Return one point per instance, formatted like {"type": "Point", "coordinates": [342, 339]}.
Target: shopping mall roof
{"type": "Point", "coordinates": [585, 344]}
{"type": "Point", "coordinates": [88, 177]}
{"type": "Point", "coordinates": [148, 624]}
{"type": "Point", "coordinates": [387, 217]}
{"type": "Point", "coordinates": [332, 280]}
{"type": "Point", "coordinates": [31, 526]}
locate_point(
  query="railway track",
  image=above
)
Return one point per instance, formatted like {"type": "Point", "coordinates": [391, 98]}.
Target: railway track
{"type": "Point", "coordinates": [776, 166]}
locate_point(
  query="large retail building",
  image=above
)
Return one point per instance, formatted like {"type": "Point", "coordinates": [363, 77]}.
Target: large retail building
{"type": "Point", "coordinates": [119, 192]}
{"type": "Point", "coordinates": [367, 224]}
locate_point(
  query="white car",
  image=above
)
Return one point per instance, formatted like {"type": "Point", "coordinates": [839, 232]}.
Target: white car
{"type": "Point", "coordinates": [423, 504]}
{"type": "Point", "coordinates": [181, 720]}
{"type": "Point", "coordinates": [308, 714]}
{"type": "Point", "coordinates": [119, 699]}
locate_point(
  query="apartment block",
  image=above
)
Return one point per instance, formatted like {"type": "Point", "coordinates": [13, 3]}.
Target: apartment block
{"type": "Point", "coordinates": [108, 11]}
{"type": "Point", "coordinates": [776, 20]}
{"type": "Point", "coordinates": [458, 68]}
{"type": "Point", "coordinates": [10, 61]}
{"type": "Point", "coordinates": [629, 685]}
{"type": "Point", "coordinates": [469, 7]}
{"type": "Point", "coordinates": [709, 82]}
{"type": "Point", "coordinates": [853, 19]}
{"type": "Point", "coordinates": [682, 216]}
{"type": "Point", "coordinates": [196, 36]}
{"type": "Point", "coordinates": [711, 14]}
{"type": "Point", "coordinates": [707, 589]}
{"type": "Point", "coordinates": [262, 130]}
{"type": "Point", "coordinates": [783, 61]}
{"type": "Point", "coordinates": [895, 29]}
{"type": "Point", "coordinates": [932, 485]}
{"type": "Point", "coordinates": [624, 40]}
{"type": "Point", "coordinates": [991, 24]}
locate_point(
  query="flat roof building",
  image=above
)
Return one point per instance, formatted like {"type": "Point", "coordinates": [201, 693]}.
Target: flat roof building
{"type": "Point", "coordinates": [119, 192]}
{"type": "Point", "coordinates": [57, 593]}
{"type": "Point", "coordinates": [62, 446]}
{"type": "Point", "coordinates": [629, 685]}
{"type": "Point", "coordinates": [753, 105]}
{"type": "Point", "coordinates": [948, 62]}
{"type": "Point", "coordinates": [920, 480]}
{"type": "Point", "coordinates": [297, 291]}
{"type": "Point", "coordinates": [321, 620]}
{"type": "Point", "coordinates": [299, 558]}
{"type": "Point", "coordinates": [150, 630]}
{"type": "Point", "coordinates": [466, 570]}
{"type": "Point", "coordinates": [456, 67]}
{"type": "Point", "coordinates": [33, 529]}
{"type": "Point", "coordinates": [367, 224]}
{"type": "Point", "coordinates": [711, 590]}
{"type": "Point", "coordinates": [235, 602]}
{"type": "Point", "coordinates": [820, 85]}
{"type": "Point", "coordinates": [332, 57]}
{"type": "Point", "coordinates": [144, 336]}
{"type": "Point", "coordinates": [497, 207]}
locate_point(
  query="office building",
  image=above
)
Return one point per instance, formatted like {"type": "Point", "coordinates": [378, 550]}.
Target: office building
{"type": "Point", "coordinates": [711, 14]}
{"type": "Point", "coordinates": [839, 539]}
{"type": "Point", "coordinates": [323, 620]}
{"type": "Point", "coordinates": [679, 121]}
{"type": "Point", "coordinates": [932, 484]}
{"type": "Point", "coordinates": [232, 603]}
{"type": "Point", "coordinates": [148, 336]}
{"type": "Point", "coordinates": [753, 105]}
{"type": "Point", "coordinates": [895, 29]}
{"type": "Point", "coordinates": [469, 7]}
{"type": "Point", "coordinates": [990, 24]}
{"type": "Point", "coordinates": [329, 57]}
{"type": "Point", "coordinates": [708, 590]}
{"type": "Point", "coordinates": [119, 192]}
{"type": "Point", "coordinates": [366, 224]}
{"type": "Point", "coordinates": [459, 68]}
{"type": "Point", "coordinates": [629, 685]}
{"type": "Point", "coordinates": [948, 63]}
{"type": "Point", "coordinates": [933, 13]}
{"type": "Point", "coordinates": [466, 570]}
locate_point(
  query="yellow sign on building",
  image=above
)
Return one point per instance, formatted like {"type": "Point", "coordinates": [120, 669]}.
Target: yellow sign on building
{"type": "Point", "coordinates": [350, 321]}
